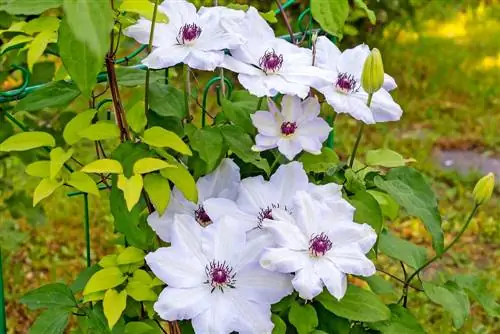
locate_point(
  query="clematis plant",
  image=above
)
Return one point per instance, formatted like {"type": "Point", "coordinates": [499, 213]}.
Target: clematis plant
{"type": "Point", "coordinates": [250, 222]}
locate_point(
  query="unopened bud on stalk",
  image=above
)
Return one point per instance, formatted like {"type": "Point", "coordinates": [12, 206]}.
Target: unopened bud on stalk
{"type": "Point", "coordinates": [372, 78]}
{"type": "Point", "coordinates": [484, 189]}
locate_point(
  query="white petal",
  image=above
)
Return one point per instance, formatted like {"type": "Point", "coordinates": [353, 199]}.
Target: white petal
{"type": "Point", "coordinates": [179, 12]}
{"type": "Point", "coordinates": [217, 208]}
{"type": "Point", "coordinates": [384, 108]}
{"type": "Point", "coordinates": [283, 260]}
{"type": "Point", "coordinates": [316, 128]}
{"type": "Point", "coordinates": [311, 109]}
{"type": "Point", "coordinates": [187, 235]}
{"type": "Point", "coordinates": [351, 260]}
{"type": "Point", "coordinates": [351, 61]}
{"type": "Point", "coordinates": [330, 192]}
{"type": "Point", "coordinates": [254, 247]}
{"type": "Point", "coordinates": [263, 143]}
{"type": "Point", "coordinates": [204, 60]}
{"type": "Point", "coordinates": [164, 33]}
{"type": "Point", "coordinates": [346, 234]}
{"type": "Point", "coordinates": [334, 280]}
{"type": "Point", "coordinates": [277, 83]}
{"type": "Point", "coordinates": [238, 66]}
{"type": "Point", "coordinates": [254, 195]}
{"type": "Point", "coordinates": [307, 212]}
{"type": "Point", "coordinates": [343, 211]}
{"type": "Point", "coordinates": [289, 147]}
{"type": "Point", "coordinates": [166, 56]}
{"type": "Point", "coordinates": [286, 181]}
{"type": "Point", "coordinates": [309, 75]}
{"type": "Point", "coordinates": [179, 304]}
{"type": "Point", "coordinates": [219, 317]}
{"type": "Point", "coordinates": [343, 103]}
{"type": "Point", "coordinates": [256, 84]}
{"type": "Point", "coordinates": [389, 83]}
{"type": "Point", "coordinates": [176, 268]}
{"type": "Point", "coordinates": [291, 108]}
{"type": "Point", "coordinates": [263, 286]}
{"type": "Point", "coordinates": [222, 182]}
{"type": "Point", "coordinates": [266, 123]}
{"type": "Point", "coordinates": [214, 37]}
{"type": "Point", "coordinates": [286, 234]}
{"type": "Point", "coordinates": [307, 283]}
{"type": "Point", "coordinates": [251, 317]}
{"type": "Point", "coordinates": [310, 144]}
{"type": "Point", "coordinates": [221, 241]}
{"type": "Point", "coordinates": [327, 54]}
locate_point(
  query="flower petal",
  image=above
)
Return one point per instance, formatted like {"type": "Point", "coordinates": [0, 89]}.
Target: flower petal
{"type": "Point", "coordinates": [221, 241]}
{"type": "Point", "coordinates": [266, 123]}
{"type": "Point", "coordinates": [187, 235]}
{"type": "Point", "coordinates": [217, 208]}
{"type": "Point", "coordinates": [179, 12]}
{"type": "Point", "coordinates": [343, 103]}
{"type": "Point", "coordinates": [204, 60]}
{"type": "Point", "coordinates": [257, 242]}
{"type": "Point", "coordinates": [278, 83]}
{"type": "Point", "coordinates": [166, 56]}
{"type": "Point", "coordinates": [351, 61]}
{"type": "Point", "coordinates": [222, 182]}
{"type": "Point", "coordinates": [238, 66]}
{"type": "Point", "coordinates": [334, 280]}
{"type": "Point", "coordinates": [351, 260]}
{"type": "Point", "coordinates": [316, 128]}
{"type": "Point", "coordinates": [286, 181]}
{"type": "Point", "coordinates": [263, 286]}
{"type": "Point", "coordinates": [251, 317]}
{"type": "Point", "coordinates": [307, 213]}
{"type": "Point", "coordinates": [384, 108]}
{"type": "Point", "coordinates": [291, 108]}
{"type": "Point", "coordinates": [289, 147]}
{"type": "Point", "coordinates": [389, 83]}
{"type": "Point", "coordinates": [311, 109]}
{"type": "Point", "coordinates": [256, 84]}
{"type": "Point", "coordinates": [219, 317]}
{"type": "Point", "coordinates": [346, 234]}
{"type": "Point", "coordinates": [179, 304]}
{"type": "Point", "coordinates": [327, 54]}
{"type": "Point", "coordinates": [329, 192]}
{"type": "Point", "coordinates": [286, 234]}
{"type": "Point", "coordinates": [164, 33]}
{"type": "Point", "coordinates": [263, 143]}
{"type": "Point", "coordinates": [254, 195]}
{"type": "Point", "coordinates": [311, 145]}
{"type": "Point", "coordinates": [213, 36]}
{"type": "Point", "coordinates": [283, 260]}
{"type": "Point", "coordinates": [307, 283]}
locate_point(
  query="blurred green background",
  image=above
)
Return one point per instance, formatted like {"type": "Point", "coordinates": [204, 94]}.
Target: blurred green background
{"type": "Point", "coordinates": [445, 57]}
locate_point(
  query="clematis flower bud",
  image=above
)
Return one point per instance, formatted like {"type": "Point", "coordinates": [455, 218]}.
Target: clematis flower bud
{"type": "Point", "coordinates": [372, 77]}
{"type": "Point", "coordinates": [484, 189]}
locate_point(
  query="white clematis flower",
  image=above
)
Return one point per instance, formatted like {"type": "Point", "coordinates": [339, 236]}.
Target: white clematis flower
{"type": "Point", "coordinates": [223, 182]}
{"type": "Point", "coordinates": [344, 92]}
{"type": "Point", "coordinates": [196, 39]}
{"type": "Point", "coordinates": [295, 128]}
{"type": "Point", "coordinates": [214, 279]}
{"type": "Point", "coordinates": [259, 199]}
{"type": "Point", "coordinates": [319, 246]}
{"type": "Point", "coordinates": [268, 65]}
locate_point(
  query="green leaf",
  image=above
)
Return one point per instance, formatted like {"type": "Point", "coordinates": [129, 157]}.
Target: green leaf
{"type": "Point", "coordinates": [130, 255]}
{"type": "Point", "coordinates": [76, 124]}
{"type": "Point", "coordinates": [140, 292]}
{"type": "Point", "coordinates": [136, 117]}
{"type": "Point", "coordinates": [354, 181]}
{"type": "Point", "coordinates": [103, 166]}
{"type": "Point", "coordinates": [452, 298]}
{"type": "Point", "coordinates": [94, 297]}
{"type": "Point", "coordinates": [16, 40]}
{"type": "Point", "coordinates": [409, 188]}
{"type": "Point", "coordinates": [331, 15]}
{"type": "Point", "coordinates": [384, 158]}
{"type": "Point", "coordinates": [81, 62]}
{"type": "Point", "coordinates": [24, 141]}
{"type": "Point", "coordinates": [16, 7]}
{"type": "Point", "coordinates": [183, 181]}
{"type": "Point", "coordinates": [83, 182]}
{"type": "Point", "coordinates": [208, 142]}
{"type": "Point", "coordinates": [132, 189]}
{"type": "Point", "coordinates": [51, 296]}
{"type": "Point", "coordinates": [113, 305]}
{"type": "Point", "coordinates": [58, 158]}
{"type": "Point", "coordinates": [42, 23]}
{"type": "Point", "coordinates": [370, 13]}
{"type": "Point", "coordinates": [128, 153]}
{"type": "Point", "coordinates": [303, 317]}
{"type": "Point", "coordinates": [142, 327]}
{"type": "Point", "coordinates": [39, 169]}
{"type": "Point", "coordinates": [104, 279]}
{"type": "Point", "coordinates": [401, 321]}
{"type": "Point", "coordinates": [358, 305]}
{"type": "Point", "coordinates": [321, 163]}
{"type": "Point", "coordinates": [476, 289]}
{"type": "Point", "coordinates": [389, 207]}
{"type": "Point", "coordinates": [239, 114]}
{"type": "Point", "coordinates": [329, 322]}
{"type": "Point", "coordinates": [279, 325]}
{"type": "Point", "coordinates": [91, 23]}
{"type": "Point", "coordinates": [402, 250]}
{"type": "Point", "coordinates": [158, 190]}
{"type": "Point", "coordinates": [367, 210]}
{"type": "Point", "coordinates": [269, 16]}
{"type": "Point", "coordinates": [148, 165]}
{"type": "Point", "coordinates": [159, 137]}
{"type": "Point", "coordinates": [108, 261]}
{"type": "Point", "coordinates": [53, 95]}
{"type": "Point", "coordinates": [131, 77]}
{"type": "Point", "coordinates": [83, 277]}
{"type": "Point", "coordinates": [144, 8]}
{"type": "Point", "coordinates": [381, 286]}
{"type": "Point", "coordinates": [166, 100]}
{"type": "Point", "coordinates": [44, 189]}
{"type": "Point", "coordinates": [241, 144]}
{"type": "Point", "coordinates": [101, 130]}
{"type": "Point", "coordinates": [38, 45]}
{"type": "Point", "coordinates": [52, 321]}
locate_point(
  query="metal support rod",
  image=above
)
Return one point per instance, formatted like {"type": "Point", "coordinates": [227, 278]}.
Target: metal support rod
{"type": "Point", "coordinates": [3, 319]}
{"type": "Point", "coordinates": [86, 223]}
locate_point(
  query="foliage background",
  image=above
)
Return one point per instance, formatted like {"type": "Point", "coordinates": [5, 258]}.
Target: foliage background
{"type": "Point", "coordinates": [445, 58]}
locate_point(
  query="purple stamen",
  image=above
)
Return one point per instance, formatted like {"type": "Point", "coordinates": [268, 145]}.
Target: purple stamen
{"type": "Point", "coordinates": [319, 245]}
{"type": "Point", "coordinates": [188, 33]}
{"type": "Point", "coordinates": [267, 213]}
{"type": "Point", "coordinates": [219, 275]}
{"type": "Point", "coordinates": [288, 128]}
{"type": "Point", "coordinates": [202, 217]}
{"type": "Point", "coordinates": [271, 61]}
{"type": "Point", "coordinates": [346, 83]}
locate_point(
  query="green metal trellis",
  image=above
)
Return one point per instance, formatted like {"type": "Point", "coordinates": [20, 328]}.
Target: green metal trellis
{"type": "Point", "coordinates": [24, 89]}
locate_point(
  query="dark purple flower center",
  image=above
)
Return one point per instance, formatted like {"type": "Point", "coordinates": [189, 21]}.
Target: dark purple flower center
{"type": "Point", "coordinates": [267, 213]}
{"type": "Point", "coordinates": [346, 83]}
{"type": "Point", "coordinates": [219, 275]}
{"type": "Point", "coordinates": [319, 244]}
{"type": "Point", "coordinates": [288, 128]}
{"type": "Point", "coordinates": [188, 33]}
{"type": "Point", "coordinates": [271, 61]}
{"type": "Point", "coordinates": [201, 216]}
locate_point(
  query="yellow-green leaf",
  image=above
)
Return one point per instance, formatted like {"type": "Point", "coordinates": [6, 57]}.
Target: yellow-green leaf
{"type": "Point", "coordinates": [159, 137]}
{"type": "Point", "coordinates": [144, 8]}
{"type": "Point", "coordinates": [39, 169]}
{"type": "Point", "coordinates": [140, 292]}
{"type": "Point", "coordinates": [58, 158]}
{"type": "Point", "coordinates": [26, 141]}
{"type": "Point", "coordinates": [114, 304]}
{"type": "Point", "coordinates": [158, 190]}
{"type": "Point", "coordinates": [148, 165]}
{"type": "Point", "coordinates": [77, 123]}
{"type": "Point", "coordinates": [38, 45]}
{"type": "Point", "coordinates": [182, 180]}
{"type": "Point", "coordinates": [131, 188]}
{"type": "Point", "coordinates": [104, 279]}
{"type": "Point", "coordinates": [83, 182]}
{"type": "Point", "coordinates": [103, 166]}
{"type": "Point", "coordinates": [42, 23]}
{"type": "Point", "coordinates": [44, 189]}
{"type": "Point", "coordinates": [108, 261]}
{"type": "Point", "coordinates": [141, 276]}
{"type": "Point", "coordinates": [19, 39]}
{"type": "Point", "coordinates": [94, 297]}
{"type": "Point", "coordinates": [100, 131]}
{"type": "Point", "coordinates": [136, 117]}
{"type": "Point", "coordinates": [130, 255]}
